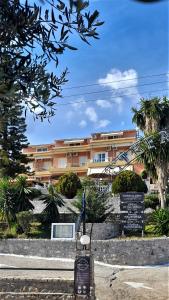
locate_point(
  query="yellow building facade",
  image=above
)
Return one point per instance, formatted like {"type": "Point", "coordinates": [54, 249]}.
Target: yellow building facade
{"type": "Point", "coordinates": [84, 156]}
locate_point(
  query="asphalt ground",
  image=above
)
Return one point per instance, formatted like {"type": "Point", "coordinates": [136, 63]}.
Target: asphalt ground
{"type": "Point", "coordinates": [112, 282]}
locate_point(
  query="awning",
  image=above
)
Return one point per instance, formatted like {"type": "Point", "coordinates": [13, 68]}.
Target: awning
{"type": "Point", "coordinates": [92, 171]}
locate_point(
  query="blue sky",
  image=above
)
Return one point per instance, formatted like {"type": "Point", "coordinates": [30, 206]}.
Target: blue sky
{"type": "Point", "coordinates": [133, 45]}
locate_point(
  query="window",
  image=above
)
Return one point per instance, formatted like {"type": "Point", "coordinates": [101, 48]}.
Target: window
{"type": "Point", "coordinates": [83, 160]}
{"type": "Point", "coordinates": [111, 137]}
{"type": "Point", "coordinates": [100, 157]}
{"type": "Point", "coordinates": [42, 149]}
{"type": "Point", "coordinates": [47, 165]}
{"type": "Point", "coordinates": [62, 163]}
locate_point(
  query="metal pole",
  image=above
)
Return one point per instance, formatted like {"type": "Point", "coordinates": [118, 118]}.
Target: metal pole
{"type": "Point", "coordinates": [84, 212]}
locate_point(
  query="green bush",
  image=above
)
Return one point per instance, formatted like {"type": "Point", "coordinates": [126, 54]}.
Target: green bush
{"type": "Point", "coordinates": [24, 219]}
{"type": "Point", "coordinates": [128, 181]}
{"type": "Point", "coordinates": [144, 174]}
{"type": "Point", "coordinates": [151, 201]}
{"type": "Point", "coordinates": [160, 219]}
{"type": "Point", "coordinates": [98, 208]}
{"type": "Point", "coordinates": [68, 185]}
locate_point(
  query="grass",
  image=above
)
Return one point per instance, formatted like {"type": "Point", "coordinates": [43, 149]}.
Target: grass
{"type": "Point", "coordinates": [37, 231]}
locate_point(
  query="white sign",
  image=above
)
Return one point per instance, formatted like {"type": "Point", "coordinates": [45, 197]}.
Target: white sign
{"type": "Point", "coordinates": [63, 231]}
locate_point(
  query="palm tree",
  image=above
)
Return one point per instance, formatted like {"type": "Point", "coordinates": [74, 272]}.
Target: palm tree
{"type": "Point", "coordinates": [151, 118]}
{"type": "Point", "coordinates": [52, 200]}
{"type": "Point", "coordinates": [23, 194]}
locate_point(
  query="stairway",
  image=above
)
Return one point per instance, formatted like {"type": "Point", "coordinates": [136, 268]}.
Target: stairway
{"type": "Point", "coordinates": [36, 289]}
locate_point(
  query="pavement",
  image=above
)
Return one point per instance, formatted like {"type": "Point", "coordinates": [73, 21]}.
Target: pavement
{"type": "Point", "coordinates": [112, 282]}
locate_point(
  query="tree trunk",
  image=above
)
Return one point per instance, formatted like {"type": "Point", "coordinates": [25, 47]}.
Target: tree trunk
{"type": "Point", "coordinates": [162, 183]}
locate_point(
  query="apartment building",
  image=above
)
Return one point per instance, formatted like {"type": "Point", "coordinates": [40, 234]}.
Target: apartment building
{"type": "Point", "coordinates": [84, 156]}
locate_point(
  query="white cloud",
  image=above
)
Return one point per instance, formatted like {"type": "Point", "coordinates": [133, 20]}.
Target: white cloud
{"type": "Point", "coordinates": [91, 114]}
{"type": "Point", "coordinates": [69, 116]}
{"type": "Point", "coordinates": [103, 123]}
{"type": "Point", "coordinates": [122, 84]}
{"type": "Point", "coordinates": [82, 123]}
{"type": "Point", "coordinates": [104, 103]}
{"type": "Point", "coordinates": [168, 78]}
{"type": "Point", "coordinates": [119, 102]}
{"type": "Point", "coordinates": [79, 103]}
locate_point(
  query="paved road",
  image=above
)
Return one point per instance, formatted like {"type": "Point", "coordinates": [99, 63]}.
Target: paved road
{"type": "Point", "coordinates": [126, 284]}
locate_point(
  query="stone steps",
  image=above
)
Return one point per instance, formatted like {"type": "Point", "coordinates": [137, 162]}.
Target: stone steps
{"type": "Point", "coordinates": [35, 289]}
{"type": "Point", "coordinates": [34, 285]}
{"type": "Point", "coordinates": [35, 296]}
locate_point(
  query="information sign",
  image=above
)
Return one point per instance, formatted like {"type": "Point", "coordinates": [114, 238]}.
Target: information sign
{"type": "Point", "coordinates": [63, 231]}
{"type": "Point", "coordinates": [132, 211]}
{"type": "Point", "coordinates": [82, 275]}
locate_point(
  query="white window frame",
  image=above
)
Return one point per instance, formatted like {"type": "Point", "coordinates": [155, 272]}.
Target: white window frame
{"type": "Point", "coordinates": [82, 160]}
{"type": "Point", "coordinates": [60, 165]}
{"type": "Point", "coordinates": [63, 239]}
{"type": "Point", "coordinates": [96, 157]}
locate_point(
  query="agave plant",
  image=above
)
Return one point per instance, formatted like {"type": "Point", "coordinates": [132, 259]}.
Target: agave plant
{"type": "Point", "coordinates": [161, 221]}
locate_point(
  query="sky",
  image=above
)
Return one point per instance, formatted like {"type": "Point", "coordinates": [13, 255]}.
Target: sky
{"type": "Point", "coordinates": [108, 78]}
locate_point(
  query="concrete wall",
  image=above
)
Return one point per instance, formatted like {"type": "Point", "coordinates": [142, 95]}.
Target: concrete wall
{"type": "Point", "coordinates": [123, 252]}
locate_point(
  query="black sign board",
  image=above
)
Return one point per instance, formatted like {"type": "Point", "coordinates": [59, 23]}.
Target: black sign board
{"type": "Point", "coordinates": [132, 211]}
{"type": "Point", "coordinates": [82, 275]}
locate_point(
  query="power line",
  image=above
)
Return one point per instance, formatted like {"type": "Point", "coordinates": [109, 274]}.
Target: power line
{"type": "Point", "coordinates": [98, 84]}
{"type": "Point", "coordinates": [112, 97]}
{"type": "Point", "coordinates": [123, 88]}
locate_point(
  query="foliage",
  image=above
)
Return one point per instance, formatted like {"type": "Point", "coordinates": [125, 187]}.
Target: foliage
{"type": "Point", "coordinates": [128, 181]}
{"type": "Point", "coordinates": [97, 203]}
{"type": "Point", "coordinates": [68, 185]}
{"type": "Point", "coordinates": [12, 139]}
{"type": "Point", "coordinates": [24, 219]}
{"type": "Point", "coordinates": [23, 195]}
{"type": "Point", "coordinates": [38, 230]}
{"type": "Point", "coordinates": [151, 201]}
{"type": "Point", "coordinates": [35, 193]}
{"type": "Point", "coordinates": [161, 221]}
{"type": "Point", "coordinates": [7, 205]}
{"type": "Point", "coordinates": [52, 200]}
{"type": "Point", "coordinates": [149, 229]}
{"type": "Point", "coordinates": [153, 117]}
{"type": "Point", "coordinates": [31, 36]}
{"type": "Point", "coordinates": [144, 174]}
{"type": "Point", "coordinates": [14, 197]}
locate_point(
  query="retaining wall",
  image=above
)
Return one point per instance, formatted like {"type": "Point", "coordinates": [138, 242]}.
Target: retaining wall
{"type": "Point", "coordinates": [123, 252]}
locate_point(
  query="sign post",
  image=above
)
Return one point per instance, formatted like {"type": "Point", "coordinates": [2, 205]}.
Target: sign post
{"type": "Point", "coordinates": [132, 212]}
{"type": "Point", "coordinates": [84, 287]}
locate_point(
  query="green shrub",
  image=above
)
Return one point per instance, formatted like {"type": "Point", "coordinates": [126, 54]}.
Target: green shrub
{"type": "Point", "coordinates": [68, 185]}
{"type": "Point", "coordinates": [144, 174]}
{"type": "Point", "coordinates": [161, 221]}
{"type": "Point", "coordinates": [128, 181]}
{"type": "Point", "coordinates": [24, 219]}
{"type": "Point", "coordinates": [98, 208]}
{"type": "Point", "coordinates": [151, 201]}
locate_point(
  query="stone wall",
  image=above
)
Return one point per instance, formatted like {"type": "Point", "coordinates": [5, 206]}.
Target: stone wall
{"type": "Point", "coordinates": [103, 231]}
{"type": "Point", "coordinates": [116, 251]}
